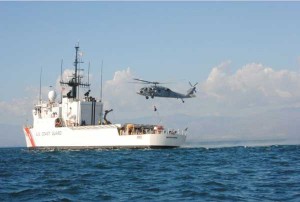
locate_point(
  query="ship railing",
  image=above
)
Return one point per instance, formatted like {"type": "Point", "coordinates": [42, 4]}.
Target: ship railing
{"type": "Point", "coordinates": [151, 131]}
{"type": "Point", "coordinates": [175, 132]}
{"type": "Point", "coordinates": [93, 127]}
{"type": "Point", "coordinates": [134, 132]}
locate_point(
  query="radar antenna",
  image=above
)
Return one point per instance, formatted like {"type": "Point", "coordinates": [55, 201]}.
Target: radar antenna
{"type": "Point", "coordinates": [75, 81]}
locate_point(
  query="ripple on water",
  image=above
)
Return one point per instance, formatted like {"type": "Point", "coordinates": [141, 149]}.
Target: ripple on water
{"type": "Point", "coordinates": [186, 174]}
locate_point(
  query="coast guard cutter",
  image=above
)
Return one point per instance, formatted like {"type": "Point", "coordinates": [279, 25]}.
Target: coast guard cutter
{"type": "Point", "coordinates": [78, 123]}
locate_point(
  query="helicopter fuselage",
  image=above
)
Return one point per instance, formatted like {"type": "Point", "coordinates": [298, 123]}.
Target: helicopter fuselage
{"type": "Point", "coordinates": [160, 91]}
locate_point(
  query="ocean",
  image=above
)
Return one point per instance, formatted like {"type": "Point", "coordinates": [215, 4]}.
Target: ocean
{"type": "Point", "coordinates": [262, 173]}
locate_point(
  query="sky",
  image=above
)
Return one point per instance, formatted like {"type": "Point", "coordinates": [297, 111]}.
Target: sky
{"type": "Point", "coordinates": [244, 55]}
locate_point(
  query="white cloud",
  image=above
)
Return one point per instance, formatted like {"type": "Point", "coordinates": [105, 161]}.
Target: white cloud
{"type": "Point", "coordinates": [254, 85]}
{"type": "Point", "coordinates": [66, 76]}
{"type": "Point", "coordinates": [120, 95]}
{"type": "Point", "coordinates": [119, 86]}
{"type": "Point", "coordinates": [252, 88]}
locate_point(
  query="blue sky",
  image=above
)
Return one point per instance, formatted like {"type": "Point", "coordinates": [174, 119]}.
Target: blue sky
{"type": "Point", "coordinates": [245, 55]}
{"type": "Point", "coordinates": [157, 40]}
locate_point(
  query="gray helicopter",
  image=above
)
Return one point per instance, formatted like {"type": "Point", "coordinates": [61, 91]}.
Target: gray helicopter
{"type": "Point", "coordinates": [160, 91]}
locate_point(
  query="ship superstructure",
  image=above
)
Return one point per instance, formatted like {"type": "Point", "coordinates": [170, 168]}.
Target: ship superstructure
{"type": "Point", "coordinates": [81, 123]}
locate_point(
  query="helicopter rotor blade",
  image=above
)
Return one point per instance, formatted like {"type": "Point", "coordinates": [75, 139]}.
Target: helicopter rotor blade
{"type": "Point", "coordinates": [143, 81]}
{"type": "Point", "coordinates": [192, 84]}
{"type": "Point", "coordinates": [195, 87]}
{"type": "Point", "coordinates": [137, 82]}
{"type": "Point", "coordinates": [148, 82]}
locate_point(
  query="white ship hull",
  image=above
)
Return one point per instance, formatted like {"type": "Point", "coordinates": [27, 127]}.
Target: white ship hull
{"type": "Point", "coordinates": [104, 136]}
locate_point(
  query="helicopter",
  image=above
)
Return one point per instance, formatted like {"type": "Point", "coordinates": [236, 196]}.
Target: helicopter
{"type": "Point", "coordinates": [160, 91]}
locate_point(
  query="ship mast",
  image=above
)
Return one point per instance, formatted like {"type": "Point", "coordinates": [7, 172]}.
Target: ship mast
{"type": "Point", "coordinates": [75, 81]}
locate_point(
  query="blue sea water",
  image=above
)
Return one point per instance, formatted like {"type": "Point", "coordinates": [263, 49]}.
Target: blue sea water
{"type": "Point", "coordinates": [265, 173]}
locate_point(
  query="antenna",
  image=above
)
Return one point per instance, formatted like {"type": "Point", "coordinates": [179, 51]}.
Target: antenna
{"type": "Point", "coordinates": [89, 74]}
{"type": "Point", "coordinates": [101, 82]}
{"type": "Point", "coordinates": [40, 95]}
{"type": "Point", "coordinates": [61, 79]}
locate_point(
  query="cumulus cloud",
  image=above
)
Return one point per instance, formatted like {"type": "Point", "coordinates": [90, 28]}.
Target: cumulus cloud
{"type": "Point", "coordinates": [66, 76]}
{"type": "Point", "coordinates": [120, 94]}
{"type": "Point", "coordinates": [119, 85]}
{"type": "Point", "coordinates": [254, 85]}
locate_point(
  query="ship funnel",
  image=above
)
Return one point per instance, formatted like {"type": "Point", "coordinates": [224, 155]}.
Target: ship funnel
{"type": "Point", "coordinates": [52, 95]}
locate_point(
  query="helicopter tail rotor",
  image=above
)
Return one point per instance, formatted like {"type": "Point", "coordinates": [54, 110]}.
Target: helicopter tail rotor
{"type": "Point", "coordinates": [192, 90]}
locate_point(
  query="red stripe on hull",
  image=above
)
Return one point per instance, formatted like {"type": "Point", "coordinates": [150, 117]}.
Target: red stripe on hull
{"type": "Point", "coordinates": [28, 133]}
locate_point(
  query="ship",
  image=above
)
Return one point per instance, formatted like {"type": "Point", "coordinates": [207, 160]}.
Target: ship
{"type": "Point", "coordinates": [78, 123]}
